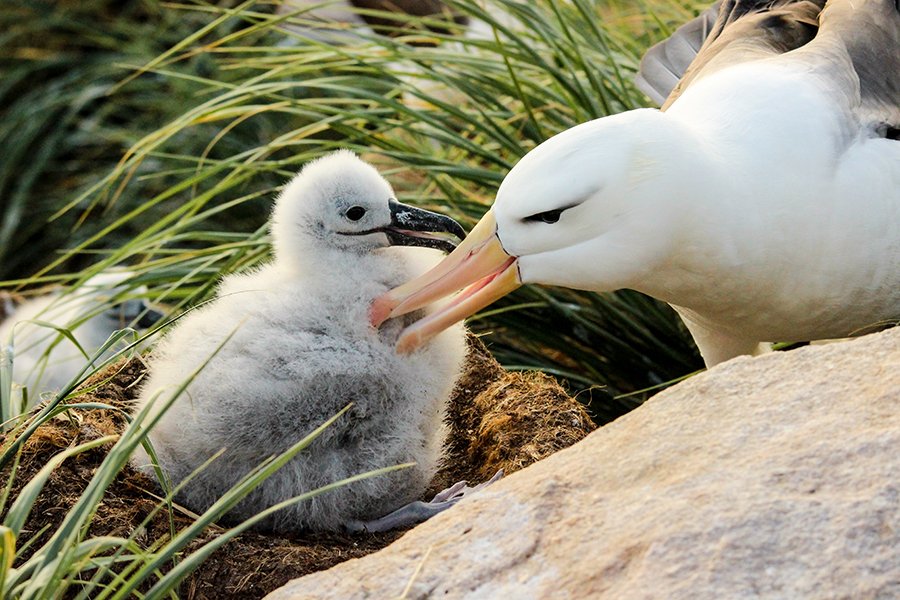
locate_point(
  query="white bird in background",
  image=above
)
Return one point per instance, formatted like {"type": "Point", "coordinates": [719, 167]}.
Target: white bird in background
{"type": "Point", "coordinates": [762, 203]}
{"type": "Point", "coordinates": [44, 360]}
{"type": "Point", "coordinates": [342, 21]}
{"type": "Point", "coordinates": [355, 21]}
{"type": "Point", "coordinates": [302, 349]}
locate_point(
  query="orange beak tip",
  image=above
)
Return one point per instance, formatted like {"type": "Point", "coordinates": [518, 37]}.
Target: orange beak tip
{"type": "Point", "coordinates": [408, 342]}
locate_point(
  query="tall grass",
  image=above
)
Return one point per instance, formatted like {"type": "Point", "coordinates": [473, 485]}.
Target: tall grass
{"type": "Point", "coordinates": [65, 120]}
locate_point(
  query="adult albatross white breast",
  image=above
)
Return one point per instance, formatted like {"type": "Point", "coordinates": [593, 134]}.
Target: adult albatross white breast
{"type": "Point", "coordinates": [762, 201]}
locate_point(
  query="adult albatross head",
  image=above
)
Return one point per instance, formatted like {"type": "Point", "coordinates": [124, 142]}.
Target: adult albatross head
{"type": "Point", "coordinates": [590, 191]}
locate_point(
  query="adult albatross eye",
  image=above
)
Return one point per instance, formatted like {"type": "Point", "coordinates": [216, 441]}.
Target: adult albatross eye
{"type": "Point", "coordinates": [549, 216]}
{"type": "Point", "coordinates": [355, 213]}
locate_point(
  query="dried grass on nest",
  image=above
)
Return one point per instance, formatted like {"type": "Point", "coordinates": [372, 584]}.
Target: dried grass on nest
{"type": "Point", "coordinates": [496, 420]}
{"type": "Point", "coordinates": [507, 420]}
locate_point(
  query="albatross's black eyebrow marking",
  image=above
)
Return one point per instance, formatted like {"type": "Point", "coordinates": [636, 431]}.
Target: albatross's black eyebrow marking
{"type": "Point", "coordinates": [548, 216]}
{"type": "Point", "coordinates": [553, 215]}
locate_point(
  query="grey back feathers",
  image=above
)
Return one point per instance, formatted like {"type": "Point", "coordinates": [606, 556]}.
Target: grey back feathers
{"type": "Point", "coordinates": [866, 33]}
{"type": "Point", "coordinates": [287, 346]}
{"type": "Point", "coordinates": [729, 32]}
{"type": "Point", "coordinates": [869, 32]}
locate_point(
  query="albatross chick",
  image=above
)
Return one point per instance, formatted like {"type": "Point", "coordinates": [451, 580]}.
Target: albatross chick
{"type": "Point", "coordinates": [302, 348]}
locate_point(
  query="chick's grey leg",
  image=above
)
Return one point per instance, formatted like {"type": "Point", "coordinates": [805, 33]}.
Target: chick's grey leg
{"type": "Point", "coordinates": [418, 511]}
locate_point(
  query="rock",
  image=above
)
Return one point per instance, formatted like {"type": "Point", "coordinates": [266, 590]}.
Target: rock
{"type": "Point", "coordinates": [768, 477]}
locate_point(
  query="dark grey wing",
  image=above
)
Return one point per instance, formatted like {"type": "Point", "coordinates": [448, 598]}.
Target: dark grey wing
{"type": "Point", "coordinates": [865, 34]}
{"type": "Point", "coordinates": [663, 65]}
{"type": "Point", "coordinates": [743, 30]}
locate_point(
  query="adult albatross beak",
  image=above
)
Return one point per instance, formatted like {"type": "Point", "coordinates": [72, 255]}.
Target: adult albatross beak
{"type": "Point", "coordinates": [479, 264]}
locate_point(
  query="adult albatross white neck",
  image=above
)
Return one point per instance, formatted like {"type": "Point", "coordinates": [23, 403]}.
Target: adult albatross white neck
{"type": "Point", "coordinates": [762, 202]}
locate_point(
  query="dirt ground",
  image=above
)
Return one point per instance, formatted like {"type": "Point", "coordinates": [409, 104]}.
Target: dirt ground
{"type": "Point", "coordinates": [497, 420]}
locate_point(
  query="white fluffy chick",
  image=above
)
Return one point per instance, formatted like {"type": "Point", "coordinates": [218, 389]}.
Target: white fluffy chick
{"type": "Point", "coordinates": [46, 361]}
{"type": "Point", "coordinates": [302, 349]}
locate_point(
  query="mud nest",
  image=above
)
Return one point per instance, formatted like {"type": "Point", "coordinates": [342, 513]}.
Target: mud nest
{"type": "Point", "coordinates": [497, 419]}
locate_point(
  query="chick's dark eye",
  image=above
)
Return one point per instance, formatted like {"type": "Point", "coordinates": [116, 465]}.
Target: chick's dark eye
{"type": "Point", "coordinates": [355, 213]}
{"type": "Point", "coordinates": [549, 216]}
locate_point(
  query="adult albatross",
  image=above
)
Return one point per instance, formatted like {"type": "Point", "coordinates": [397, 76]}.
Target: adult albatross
{"type": "Point", "coordinates": [762, 202]}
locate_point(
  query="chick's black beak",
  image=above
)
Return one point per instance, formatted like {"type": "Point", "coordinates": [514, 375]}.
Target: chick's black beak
{"type": "Point", "coordinates": [411, 226]}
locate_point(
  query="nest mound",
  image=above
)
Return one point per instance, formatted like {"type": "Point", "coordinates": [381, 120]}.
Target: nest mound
{"type": "Point", "coordinates": [497, 420]}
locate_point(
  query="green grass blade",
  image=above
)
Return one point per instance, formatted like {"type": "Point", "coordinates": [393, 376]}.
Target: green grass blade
{"type": "Point", "coordinates": [21, 508]}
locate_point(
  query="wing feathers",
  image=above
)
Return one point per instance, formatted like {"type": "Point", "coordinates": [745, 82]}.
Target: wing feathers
{"type": "Point", "coordinates": [664, 64]}
{"type": "Point", "coordinates": [731, 32]}
{"type": "Point", "coordinates": [869, 32]}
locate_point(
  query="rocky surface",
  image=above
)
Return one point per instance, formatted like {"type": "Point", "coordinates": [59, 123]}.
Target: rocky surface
{"type": "Point", "coordinates": [768, 477]}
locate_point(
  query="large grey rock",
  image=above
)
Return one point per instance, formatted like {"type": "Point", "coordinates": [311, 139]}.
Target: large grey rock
{"type": "Point", "coordinates": [768, 477]}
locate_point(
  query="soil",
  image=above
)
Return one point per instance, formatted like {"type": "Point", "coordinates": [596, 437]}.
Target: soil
{"type": "Point", "coordinates": [497, 420]}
